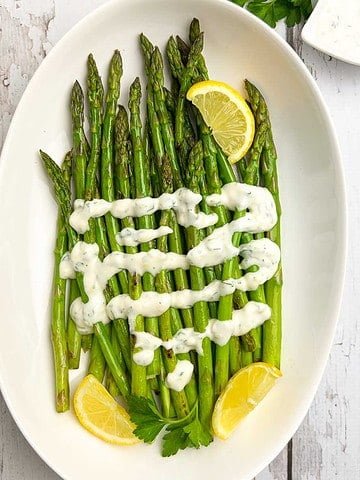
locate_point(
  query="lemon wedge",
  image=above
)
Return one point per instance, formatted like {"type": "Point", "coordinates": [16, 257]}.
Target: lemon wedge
{"type": "Point", "coordinates": [242, 394]}
{"type": "Point", "coordinates": [101, 415]}
{"type": "Point", "coordinates": [227, 114]}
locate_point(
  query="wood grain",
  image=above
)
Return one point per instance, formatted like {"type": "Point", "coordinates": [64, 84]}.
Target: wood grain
{"type": "Point", "coordinates": [326, 446]}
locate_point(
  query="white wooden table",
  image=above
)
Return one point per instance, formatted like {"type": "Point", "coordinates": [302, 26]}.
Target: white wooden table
{"type": "Point", "coordinates": [327, 445]}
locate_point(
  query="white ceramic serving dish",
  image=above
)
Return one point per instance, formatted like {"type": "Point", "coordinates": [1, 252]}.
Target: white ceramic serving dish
{"type": "Point", "coordinates": [312, 190]}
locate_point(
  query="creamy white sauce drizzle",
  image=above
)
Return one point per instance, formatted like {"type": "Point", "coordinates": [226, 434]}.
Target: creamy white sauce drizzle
{"type": "Point", "coordinates": [180, 376]}
{"type": "Point", "coordinates": [251, 316]}
{"type": "Point", "coordinates": [260, 217]}
{"type": "Point", "coordinates": [183, 201]}
{"type": "Point", "coordinates": [85, 259]}
{"type": "Point", "coordinates": [130, 237]}
{"type": "Point", "coordinates": [262, 253]}
{"type": "Point", "coordinates": [66, 267]}
{"type": "Point", "coordinates": [138, 263]}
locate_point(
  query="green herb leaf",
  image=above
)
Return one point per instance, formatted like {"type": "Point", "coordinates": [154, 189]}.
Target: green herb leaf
{"type": "Point", "coordinates": [198, 436]}
{"type": "Point", "coordinates": [147, 420]}
{"type": "Point", "coordinates": [265, 11]}
{"type": "Point", "coordinates": [180, 433]}
{"type": "Point", "coordinates": [173, 441]}
{"type": "Point", "coordinates": [293, 17]}
{"type": "Point", "coordinates": [271, 11]}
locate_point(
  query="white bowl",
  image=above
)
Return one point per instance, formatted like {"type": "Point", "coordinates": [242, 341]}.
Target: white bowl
{"type": "Point", "coordinates": [312, 191]}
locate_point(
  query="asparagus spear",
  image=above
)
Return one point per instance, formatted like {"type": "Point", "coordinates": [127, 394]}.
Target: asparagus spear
{"type": "Point", "coordinates": [251, 176]}
{"type": "Point", "coordinates": [141, 182]}
{"type": "Point", "coordinates": [95, 94]}
{"type": "Point", "coordinates": [160, 162]}
{"type": "Point", "coordinates": [58, 320]}
{"type": "Point", "coordinates": [157, 76]}
{"type": "Point", "coordinates": [72, 335]}
{"type": "Point", "coordinates": [179, 399]}
{"type": "Point", "coordinates": [194, 32]}
{"type": "Point", "coordinates": [154, 69]}
{"type": "Point", "coordinates": [223, 171]}
{"type": "Point", "coordinates": [79, 149]}
{"type": "Point", "coordinates": [186, 79]}
{"type": "Point", "coordinates": [184, 49]}
{"type": "Point", "coordinates": [201, 309]}
{"type": "Point", "coordinates": [95, 99]}
{"type": "Point", "coordinates": [63, 198]}
{"type": "Point", "coordinates": [186, 143]}
{"type": "Point", "coordinates": [107, 186]}
{"type": "Point", "coordinates": [110, 383]}
{"type": "Point", "coordinates": [185, 137]}
{"type": "Point", "coordinates": [195, 62]}
{"type": "Point", "coordinates": [143, 188]}
{"type": "Point", "coordinates": [79, 174]}
{"type": "Point", "coordinates": [149, 153]}
{"type": "Point", "coordinates": [166, 405]}
{"type": "Point", "coordinates": [107, 183]}
{"type": "Point", "coordinates": [273, 288]}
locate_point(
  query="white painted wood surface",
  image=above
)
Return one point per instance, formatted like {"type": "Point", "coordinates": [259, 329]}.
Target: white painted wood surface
{"type": "Point", "coordinates": [327, 445]}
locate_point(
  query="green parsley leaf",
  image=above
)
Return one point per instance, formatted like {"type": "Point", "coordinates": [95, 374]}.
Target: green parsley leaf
{"type": "Point", "coordinates": [173, 441]}
{"type": "Point", "coordinates": [146, 418]}
{"type": "Point", "coordinates": [271, 11]}
{"type": "Point", "coordinates": [180, 433]}
{"type": "Point", "coordinates": [198, 435]}
{"type": "Point", "coordinates": [306, 8]}
{"type": "Point", "coordinates": [293, 17]}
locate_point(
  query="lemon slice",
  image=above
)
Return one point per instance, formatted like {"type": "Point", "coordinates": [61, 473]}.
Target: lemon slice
{"type": "Point", "coordinates": [227, 114]}
{"type": "Point", "coordinates": [241, 395]}
{"type": "Point", "coordinates": [101, 415]}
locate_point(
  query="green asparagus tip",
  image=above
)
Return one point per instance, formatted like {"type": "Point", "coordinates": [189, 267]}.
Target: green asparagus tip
{"type": "Point", "coordinates": [171, 43]}
{"type": "Point", "coordinates": [77, 103]}
{"type": "Point", "coordinates": [253, 92]}
{"type": "Point", "coordinates": [116, 67]}
{"type": "Point", "coordinates": [145, 43]}
{"type": "Point", "coordinates": [183, 48]}
{"type": "Point", "coordinates": [197, 46]}
{"type": "Point", "coordinates": [172, 48]}
{"type": "Point", "coordinates": [248, 86]}
{"type": "Point", "coordinates": [48, 161]}
{"type": "Point", "coordinates": [135, 93]}
{"type": "Point", "coordinates": [95, 85]}
{"type": "Point", "coordinates": [194, 30]}
{"type": "Point", "coordinates": [157, 66]}
{"type": "Point", "coordinates": [147, 49]}
{"type": "Point", "coordinates": [195, 167]}
{"type": "Point", "coordinates": [56, 176]}
{"type": "Point", "coordinates": [175, 59]}
{"type": "Point", "coordinates": [121, 126]}
{"type": "Point", "coordinates": [166, 174]}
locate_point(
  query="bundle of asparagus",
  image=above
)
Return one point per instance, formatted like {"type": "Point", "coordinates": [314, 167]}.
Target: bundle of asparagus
{"type": "Point", "coordinates": [127, 159]}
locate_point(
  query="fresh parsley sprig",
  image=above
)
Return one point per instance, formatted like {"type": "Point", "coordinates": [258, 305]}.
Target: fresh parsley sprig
{"type": "Point", "coordinates": [179, 433]}
{"type": "Point", "coordinates": [272, 11]}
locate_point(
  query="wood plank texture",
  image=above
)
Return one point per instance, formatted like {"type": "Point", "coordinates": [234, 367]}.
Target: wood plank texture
{"type": "Point", "coordinates": [326, 445]}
